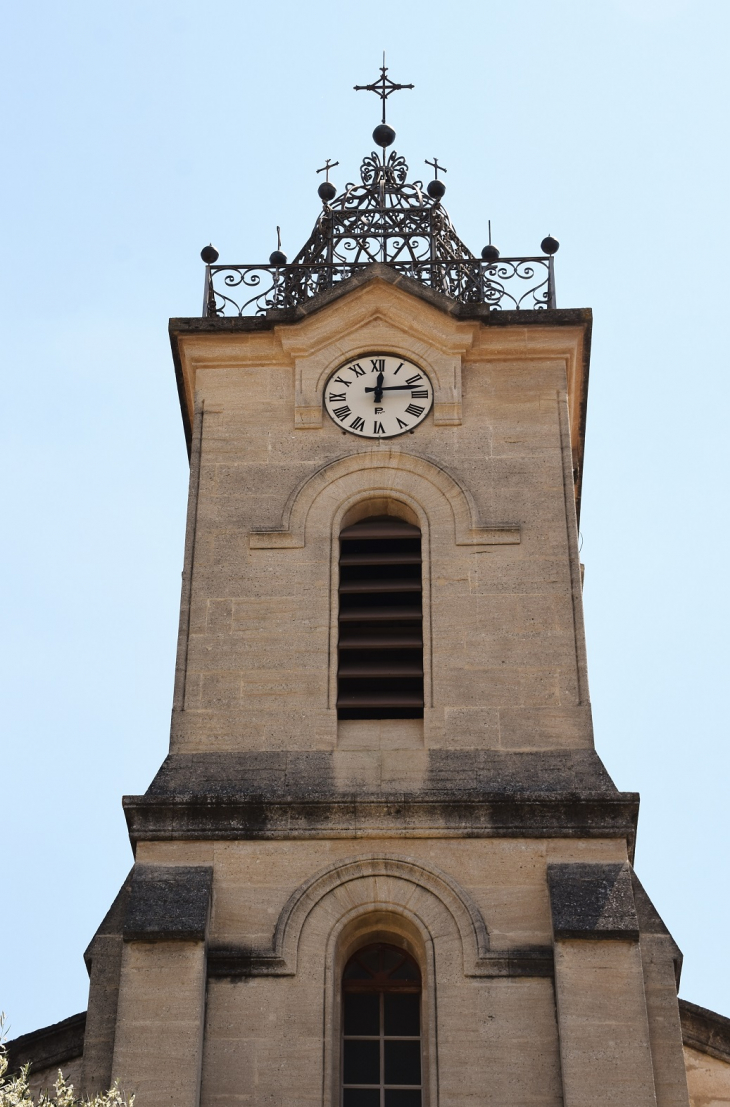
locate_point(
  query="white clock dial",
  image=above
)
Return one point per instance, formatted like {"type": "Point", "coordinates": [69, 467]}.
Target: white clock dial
{"type": "Point", "coordinates": [378, 396]}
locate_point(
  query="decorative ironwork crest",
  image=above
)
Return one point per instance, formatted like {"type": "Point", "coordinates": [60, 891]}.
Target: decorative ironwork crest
{"type": "Point", "coordinates": [388, 219]}
{"type": "Point", "coordinates": [384, 218]}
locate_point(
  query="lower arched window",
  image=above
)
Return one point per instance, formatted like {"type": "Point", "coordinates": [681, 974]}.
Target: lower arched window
{"type": "Point", "coordinates": [381, 1047]}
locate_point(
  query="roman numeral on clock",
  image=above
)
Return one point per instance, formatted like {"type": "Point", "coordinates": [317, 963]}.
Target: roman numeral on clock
{"type": "Point", "coordinates": [414, 409]}
{"type": "Point", "coordinates": [414, 379]}
{"type": "Point", "coordinates": [357, 369]}
{"type": "Point", "coordinates": [401, 424]}
{"type": "Point", "coordinates": [343, 412]}
{"type": "Point", "coordinates": [339, 380]}
{"type": "Point", "coordinates": [378, 364]}
{"type": "Point", "coordinates": [378, 428]}
{"type": "Point", "coordinates": [417, 394]}
{"type": "Point", "coordinates": [357, 423]}
{"type": "Point", "coordinates": [335, 396]}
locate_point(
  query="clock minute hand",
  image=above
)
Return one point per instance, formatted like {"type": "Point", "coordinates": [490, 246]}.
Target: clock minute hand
{"type": "Point", "coordinates": [391, 388]}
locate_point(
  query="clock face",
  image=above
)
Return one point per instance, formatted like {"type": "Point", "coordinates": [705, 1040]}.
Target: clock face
{"type": "Point", "coordinates": [378, 396]}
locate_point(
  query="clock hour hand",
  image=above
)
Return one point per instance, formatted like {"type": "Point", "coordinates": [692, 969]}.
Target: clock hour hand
{"type": "Point", "coordinates": [378, 390]}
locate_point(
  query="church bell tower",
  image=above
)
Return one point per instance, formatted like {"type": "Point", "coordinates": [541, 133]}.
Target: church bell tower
{"type": "Point", "coordinates": [383, 864]}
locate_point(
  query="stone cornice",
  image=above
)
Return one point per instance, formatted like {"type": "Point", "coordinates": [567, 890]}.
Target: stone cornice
{"type": "Point", "coordinates": [397, 815]}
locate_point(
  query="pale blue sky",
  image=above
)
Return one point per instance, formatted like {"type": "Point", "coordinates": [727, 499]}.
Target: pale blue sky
{"type": "Point", "coordinates": [136, 133]}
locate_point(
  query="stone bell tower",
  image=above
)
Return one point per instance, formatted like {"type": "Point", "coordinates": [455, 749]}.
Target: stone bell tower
{"type": "Point", "coordinates": [383, 865]}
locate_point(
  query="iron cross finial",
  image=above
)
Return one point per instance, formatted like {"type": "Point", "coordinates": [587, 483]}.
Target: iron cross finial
{"type": "Point", "coordinates": [383, 86]}
{"type": "Point", "coordinates": [326, 168]}
{"type": "Point", "coordinates": [436, 167]}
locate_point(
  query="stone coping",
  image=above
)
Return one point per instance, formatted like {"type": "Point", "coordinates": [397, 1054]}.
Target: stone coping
{"type": "Point", "coordinates": [705, 1030]}
{"type": "Point", "coordinates": [50, 1046]}
{"type": "Point", "coordinates": [592, 900]}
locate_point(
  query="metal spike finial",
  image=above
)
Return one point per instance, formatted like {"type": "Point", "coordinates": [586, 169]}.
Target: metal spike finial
{"type": "Point", "coordinates": [383, 87]}
{"type": "Point", "coordinates": [490, 253]}
{"type": "Point", "coordinates": [277, 257]}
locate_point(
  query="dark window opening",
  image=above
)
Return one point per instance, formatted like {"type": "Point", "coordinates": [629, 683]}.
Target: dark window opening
{"type": "Point", "coordinates": [381, 1040]}
{"type": "Point", "coordinates": [380, 649]}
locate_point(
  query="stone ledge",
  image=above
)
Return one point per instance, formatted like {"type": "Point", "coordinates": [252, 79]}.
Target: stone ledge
{"type": "Point", "coordinates": [705, 1030]}
{"type": "Point", "coordinates": [398, 816]}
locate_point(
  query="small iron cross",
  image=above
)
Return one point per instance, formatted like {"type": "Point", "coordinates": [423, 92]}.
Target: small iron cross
{"type": "Point", "coordinates": [383, 86]}
{"type": "Point", "coordinates": [436, 167]}
{"type": "Point", "coordinates": [326, 168]}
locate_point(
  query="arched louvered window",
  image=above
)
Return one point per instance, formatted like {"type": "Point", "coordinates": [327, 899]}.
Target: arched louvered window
{"type": "Point", "coordinates": [380, 661]}
{"type": "Point", "coordinates": [381, 1040]}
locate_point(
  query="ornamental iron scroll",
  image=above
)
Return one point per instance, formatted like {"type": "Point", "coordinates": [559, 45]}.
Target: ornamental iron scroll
{"type": "Point", "coordinates": [388, 219]}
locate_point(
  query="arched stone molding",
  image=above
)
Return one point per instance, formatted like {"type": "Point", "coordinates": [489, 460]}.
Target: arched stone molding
{"type": "Point", "coordinates": [377, 882]}
{"type": "Point", "coordinates": [379, 470]}
{"type": "Point", "coordinates": [367, 888]}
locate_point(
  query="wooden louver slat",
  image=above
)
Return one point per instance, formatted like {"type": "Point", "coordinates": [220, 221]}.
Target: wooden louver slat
{"type": "Point", "coordinates": [380, 671]}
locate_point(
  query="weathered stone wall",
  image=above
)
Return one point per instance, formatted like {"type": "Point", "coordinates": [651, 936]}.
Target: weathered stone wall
{"type": "Point", "coordinates": [285, 916]}
{"type": "Point", "coordinates": [708, 1079]}
{"type": "Point", "coordinates": [707, 1055]}
{"type": "Point", "coordinates": [43, 1079]}
{"type": "Point", "coordinates": [489, 479]}
{"type": "Point", "coordinates": [487, 839]}
{"type": "Point", "coordinates": [506, 878]}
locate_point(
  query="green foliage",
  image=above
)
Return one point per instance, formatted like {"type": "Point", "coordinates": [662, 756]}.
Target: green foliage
{"type": "Point", "coordinates": [15, 1092]}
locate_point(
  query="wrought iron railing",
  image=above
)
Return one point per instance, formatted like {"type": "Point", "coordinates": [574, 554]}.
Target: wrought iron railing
{"type": "Point", "coordinates": [508, 283]}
